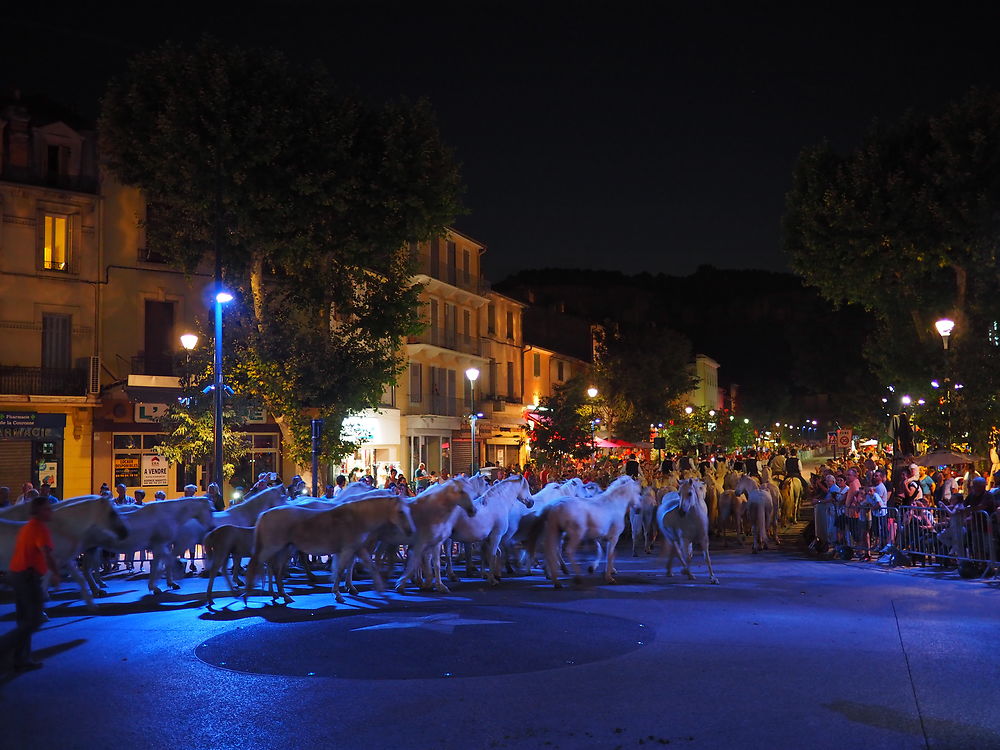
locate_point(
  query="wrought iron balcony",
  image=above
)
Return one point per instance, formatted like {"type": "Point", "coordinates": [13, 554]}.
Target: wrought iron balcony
{"type": "Point", "coordinates": [447, 340]}
{"type": "Point", "coordinates": [154, 364]}
{"type": "Point", "coordinates": [43, 381]}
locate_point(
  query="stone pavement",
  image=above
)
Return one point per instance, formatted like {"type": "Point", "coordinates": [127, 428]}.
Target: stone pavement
{"type": "Point", "coordinates": [788, 652]}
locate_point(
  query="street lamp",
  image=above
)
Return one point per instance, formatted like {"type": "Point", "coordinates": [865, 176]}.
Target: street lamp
{"type": "Point", "coordinates": [592, 393]}
{"type": "Point", "coordinates": [189, 341]}
{"type": "Point", "coordinates": [945, 327]}
{"type": "Point", "coordinates": [472, 374]}
{"type": "Point", "coordinates": [221, 298]}
{"type": "Point", "coordinates": [688, 410]}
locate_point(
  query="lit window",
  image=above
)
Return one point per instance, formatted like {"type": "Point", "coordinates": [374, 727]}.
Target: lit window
{"type": "Point", "coordinates": [994, 334]}
{"type": "Point", "coordinates": [536, 364]}
{"type": "Point", "coordinates": [55, 255]}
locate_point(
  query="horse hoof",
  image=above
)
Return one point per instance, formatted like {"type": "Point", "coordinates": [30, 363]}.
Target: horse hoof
{"type": "Point", "coordinates": [590, 569]}
{"type": "Point", "coordinates": [454, 578]}
{"type": "Point", "coordinates": [557, 585]}
{"type": "Point", "coordinates": [611, 581]}
{"type": "Point", "coordinates": [174, 586]}
{"type": "Point", "coordinates": [339, 598]}
{"type": "Point", "coordinates": [155, 591]}
{"type": "Point", "coordinates": [352, 591]}
{"type": "Point", "coordinates": [714, 580]}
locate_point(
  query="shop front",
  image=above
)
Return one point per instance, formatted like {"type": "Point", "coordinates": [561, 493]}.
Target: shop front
{"type": "Point", "coordinates": [31, 450]}
{"type": "Point", "coordinates": [377, 433]}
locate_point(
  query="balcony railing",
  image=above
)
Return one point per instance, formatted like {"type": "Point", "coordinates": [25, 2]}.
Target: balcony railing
{"type": "Point", "coordinates": [43, 381]}
{"type": "Point", "coordinates": [154, 364]}
{"type": "Point", "coordinates": [447, 340]}
{"type": "Point", "coordinates": [442, 406]}
{"type": "Point", "coordinates": [79, 183]}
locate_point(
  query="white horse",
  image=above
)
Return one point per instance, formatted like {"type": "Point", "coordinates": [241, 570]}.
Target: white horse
{"type": "Point", "coordinates": [221, 544]}
{"type": "Point", "coordinates": [683, 519]}
{"type": "Point", "coordinates": [758, 502]}
{"type": "Point", "coordinates": [643, 518]}
{"type": "Point", "coordinates": [156, 526]}
{"type": "Point", "coordinates": [768, 484]}
{"type": "Point", "coordinates": [242, 514]}
{"type": "Point", "coordinates": [601, 518]}
{"type": "Point", "coordinates": [490, 523]}
{"type": "Point", "coordinates": [793, 490]}
{"type": "Point", "coordinates": [731, 508]}
{"type": "Point", "coordinates": [341, 532]}
{"type": "Point", "coordinates": [434, 513]}
{"type": "Point", "coordinates": [75, 527]}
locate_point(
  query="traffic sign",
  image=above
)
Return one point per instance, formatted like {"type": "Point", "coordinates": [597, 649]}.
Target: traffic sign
{"type": "Point", "coordinates": [844, 438]}
{"type": "Point", "coordinates": [831, 438]}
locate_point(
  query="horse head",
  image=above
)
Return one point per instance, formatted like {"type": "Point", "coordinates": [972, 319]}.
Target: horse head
{"type": "Point", "coordinates": [524, 492]}
{"type": "Point", "coordinates": [200, 509]}
{"type": "Point", "coordinates": [114, 519]}
{"type": "Point", "coordinates": [690, 491]}
{"type": "Point", "coordinates": [460, 492]}
{"type": "Point", "coordinates": [401, 516]}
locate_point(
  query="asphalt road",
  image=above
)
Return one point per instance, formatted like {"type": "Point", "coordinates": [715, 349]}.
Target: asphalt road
{"type": "Point", "coordinates": [788, 652]}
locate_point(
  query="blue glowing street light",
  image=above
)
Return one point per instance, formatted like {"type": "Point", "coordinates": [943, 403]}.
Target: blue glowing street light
{"type": "Point", "coordinates": [221, 298]}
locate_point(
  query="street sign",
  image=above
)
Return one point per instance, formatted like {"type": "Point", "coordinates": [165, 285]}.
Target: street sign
{"type": "Point", "coordinates": [844, 438]}
{"type": "Point", "coordinates": [831, 438]}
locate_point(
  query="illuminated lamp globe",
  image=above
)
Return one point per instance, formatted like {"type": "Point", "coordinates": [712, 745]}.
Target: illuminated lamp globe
{"type": "Point", "coordinates": [472, 374]}
{"type": "Point", "coordinates": [688, 410]}
{"type": "Point", "coordinates": [223, 297]}
{"type": "Point", "coordinates": [906, 400]}
{"type": "Point", "coordinates": [189, 341]}
{"type": "Point", "coordinates": [592, 392]}
{"type": "Point", "coordinates": [945, 327]}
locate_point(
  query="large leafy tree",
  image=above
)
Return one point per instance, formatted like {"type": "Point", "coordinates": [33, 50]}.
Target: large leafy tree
{"type": "Point", "coordinates": [305, 197]}
{"type": "Point", "coordinates": [641, 370]}
{"type": "Point", "coordinates": [906, 226]}
{"type": "Point", "coordinates": [562, 426]}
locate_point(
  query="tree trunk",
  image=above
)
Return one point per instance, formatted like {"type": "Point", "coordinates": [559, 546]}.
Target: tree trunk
{"type": "Point", "coordinates": [257, 291]}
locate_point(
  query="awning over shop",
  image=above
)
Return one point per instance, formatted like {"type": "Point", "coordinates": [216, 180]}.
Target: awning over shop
{"type": "Point", "coordinates": [613, 443]}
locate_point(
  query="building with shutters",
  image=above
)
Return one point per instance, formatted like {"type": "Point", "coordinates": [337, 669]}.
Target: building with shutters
{"type": "Point", "coordinates": [437, 398]}
{"type": "Point", "coordinates": [51, 278]}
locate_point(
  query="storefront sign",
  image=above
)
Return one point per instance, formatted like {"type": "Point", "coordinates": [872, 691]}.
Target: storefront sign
{"type": "Point", "coordinates": [127, 471]}
{"type": "Point", "coordinates": [154, 470]}
{"type": "Point", "coordinates": [27, 425]}
{"type": "Point", "coordinates": [48, 473]}
{"type": "Point", "coordinates": [149, 412]}
{"type": "Point", "coordinates": [254, 415]}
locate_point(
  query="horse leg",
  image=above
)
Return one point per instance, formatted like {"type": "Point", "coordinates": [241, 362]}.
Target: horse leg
{"type": "Point", "coordinates": [335, 567]}
{"type": "Point", "coordinates": [450, 568]}
{"type": "Point", "coordinates": [412, 561]}
{"type": "Point", "coordinates": [708, 559]}
{"type": "Point", "coordinates": [573, 539]}
{"type": "Point", "coordinates": [551, 553]}
{"type": "Point", "coordinates": [671, 549]}
{"type": "Point", "coordinates": [609, 563]}
{"type": "Point", "coordinates": [596, 565]}
{"type": "Point", "coordinates": [438, 585]}
{"type": "Point", "coordinates": [78, 578]}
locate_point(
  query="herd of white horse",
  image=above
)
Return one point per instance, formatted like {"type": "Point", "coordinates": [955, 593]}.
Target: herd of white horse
{"type": "Point", "coordinates": [505, 520]}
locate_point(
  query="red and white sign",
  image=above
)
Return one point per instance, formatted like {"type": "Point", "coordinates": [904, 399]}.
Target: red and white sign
{"type": "Point", "coordinates": [831, 438]}
{"type": "Point", "coordinates": [844, 438]}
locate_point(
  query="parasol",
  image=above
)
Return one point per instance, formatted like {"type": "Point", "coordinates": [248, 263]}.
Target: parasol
{"type": "Point", "coordinates": [946, 458]}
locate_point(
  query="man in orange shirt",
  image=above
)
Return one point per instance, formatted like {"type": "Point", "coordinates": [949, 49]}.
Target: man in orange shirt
{"type": "Point", "coordinates": [32, 559]}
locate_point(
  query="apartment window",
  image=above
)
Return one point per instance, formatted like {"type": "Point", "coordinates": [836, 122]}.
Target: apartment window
{"type": "Point", "coordinates": [560, 371]}
{"type": "Point", "coordinates": [466, 267]}
{"type": "Point", "coordinates": [56, 248]}
{"type": "Point", "coordinates": [536, 365]}
{"type": "Point", "coordinates": [57, 346]}
{"type": "Point", "coordinates": [435, 258]}
{"type": "Point", "coordinates": [158, 338]}
{"type": "Point", "coordinates": [491, 321]}
{"type": "Point", "coordinates": [494, 377]}
{"type": "Point", "coordinates": [416, 383]}
{"type": "Point", "coordinates": [467, 325]}
{"type": "Point", "coordinates": [510, 325]}
{"type": "Point", "coordinates": [510, 380]}
{"type": "Point", "coordinates": [128, 450]}
{"type": "Point", "coordinates": [452, 271]}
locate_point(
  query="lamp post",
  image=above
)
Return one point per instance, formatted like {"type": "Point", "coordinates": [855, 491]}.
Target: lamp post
{"type": "Point", "coordinates": [473, 374]}
{"type": "Point", "coordinates": [944, 327]}
{"type": "Point", "coordinates": [592, 393]}
{"type": "Point", "coordinates": [221, 298]}
{"type": "Point", "coordinates": [189, 341]}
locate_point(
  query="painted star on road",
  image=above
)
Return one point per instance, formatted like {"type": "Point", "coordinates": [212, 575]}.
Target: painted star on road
{"type": "Point", "coordinates": [445, 623]}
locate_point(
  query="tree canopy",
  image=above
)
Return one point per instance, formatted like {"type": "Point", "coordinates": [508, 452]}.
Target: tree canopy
{"type": "Point", "coordinates": [906, 226]}
{"type": "Point", "coordinates": [562, 426]}
{"type": "Point", "coordinates": [309, 196]}
{"type": "Point", "coordinates": [641, 370]}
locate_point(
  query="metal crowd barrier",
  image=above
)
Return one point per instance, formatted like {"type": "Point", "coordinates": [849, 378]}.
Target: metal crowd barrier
{"type": "Point", "coordinates": [923, 536]}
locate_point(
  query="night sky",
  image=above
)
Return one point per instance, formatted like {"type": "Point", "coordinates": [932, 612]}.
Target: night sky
{"type": "Point", "coordinates": [624, 136]}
